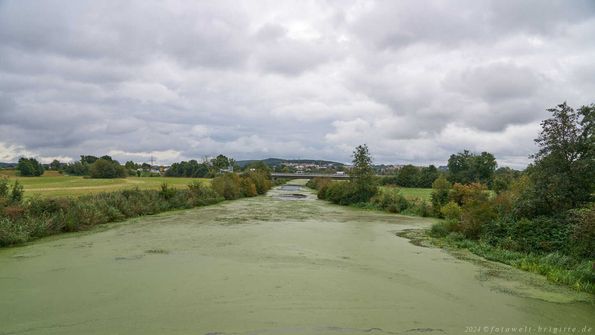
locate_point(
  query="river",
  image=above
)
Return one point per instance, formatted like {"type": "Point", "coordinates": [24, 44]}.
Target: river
{"type": "Point", "coordinates": [275, 264]}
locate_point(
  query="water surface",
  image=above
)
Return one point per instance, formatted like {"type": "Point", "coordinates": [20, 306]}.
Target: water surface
{"type": "Point", "coordinates": [267, 265]}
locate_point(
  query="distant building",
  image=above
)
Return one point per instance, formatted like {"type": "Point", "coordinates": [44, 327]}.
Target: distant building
{"type": "Point", "coordinates": [229, 169]}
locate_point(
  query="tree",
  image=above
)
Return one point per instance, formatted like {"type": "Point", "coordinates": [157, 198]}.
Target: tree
{"type": "Point", "coordinates": [76, 169]}
{"type": "Point", "coordinates": [259, 166]}
{"type": "Point", "coordinates": [440, 190]}
{"type": "Point", "coordinates": [29, 167]}
{"type": "Point", "coordinates": [88, 159]}
{"type": "Point", "coordinates": [466, 167]}
{"type": "Point", "coordinates": [408, 176]}
{"type": "Point", "coordinates": [55, 165]}
{"type": "Point", "coordinates": [130, 165]}
{"type": "Point", "coordinates": [188, 169]}
{"type": "Point", "coordinates": [362, 174]}
{"type": "Point", "coordinates": [427, 176]}
{"type": "Point", "coordinates": [104, 168]}
{"type": "Point", "coordinates": [220, 162]}
{"type": "Point", "coordinates": [563, 173]}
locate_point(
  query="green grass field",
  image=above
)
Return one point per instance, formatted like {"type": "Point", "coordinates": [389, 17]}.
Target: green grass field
{"type": "Point", "coordinates": [54, 184]}
{"type": "Point", "coordinates": [414, 192]}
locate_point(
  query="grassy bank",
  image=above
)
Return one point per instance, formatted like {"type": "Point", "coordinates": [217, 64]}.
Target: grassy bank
{"type": "Point", "coordinates": [557, 248]}
{"type": "Point", "coordinates": [556, 267]}
{"type": "Point", "coordinates": [26, 219]}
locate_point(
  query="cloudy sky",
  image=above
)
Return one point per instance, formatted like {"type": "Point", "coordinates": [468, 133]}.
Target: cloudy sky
{"type": "Point", "coordinates": [415, 80]}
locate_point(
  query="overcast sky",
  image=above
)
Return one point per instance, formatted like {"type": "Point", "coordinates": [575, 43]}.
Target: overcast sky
{"type": "Point", "coordinates": [415, 80]}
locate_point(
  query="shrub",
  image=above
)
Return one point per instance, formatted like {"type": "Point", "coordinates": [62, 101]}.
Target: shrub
{"type": "Point", "coordinates": [107, 168]}
{"type": "Point", "coordinates": [541, 235]}
{"type": "Point", "coordinates": [451, 211]}
{"type": "Point", "coordinates": [227, 186]}
{"type": "Point", "coordinates": [318, 182]}
{"type": "Point", "coordinates": [342, 193]}
{"type": "Point", "coordinates": [248, 188]}
{"type": "Point", "coordinates": [260, 179]}
{"type": "Point", "coordinates": [11, 232]}
{"type": "Point", "coordinates": [17, 192]}
{"type": "Point", "coordinates": [4, 187]}
{"type": "Point", "coordinates": [440, 189]}
{"type": "Point", "coordinates": [390, 199]}
{"type": "Point", "coordinates": [419, 207]}
{"type": "Point", "coordinates": [439, 230]}
{"type": "Point", "coordinates": [582, 232]}
{"type": "Point", "coordinates": [463, 194]}
{"type": "Point", "coordinates": [475, 216]}
{"type": "Point", "coordinates": [167, 192]}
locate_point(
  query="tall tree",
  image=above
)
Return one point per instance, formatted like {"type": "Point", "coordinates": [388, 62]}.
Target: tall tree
{"type": "Point", "coordinates": [466, 167]}
{"type": "Point", "coordinates": [563, 173]}
{"type": "Point", "coordinates": [362, 174]}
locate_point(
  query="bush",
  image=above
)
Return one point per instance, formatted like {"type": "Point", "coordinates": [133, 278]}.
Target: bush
{"type": "Point", "coordinates": [342, 193]}
{"type": "Point", "coordinates": [248, 188]}
{"type": "Point", "coordinates": [451, 211]}
{"type": "Point", "coordinates": [106, 168]}
{"type": "Point", "coordinates": [318, 182]}
{"type": "Point", "coordinates": [4, 187]}
{"type": "Point", "coordinates": [16, 195]}
{"type": "Point", "coordinates": [439, 229]}
{"type": "Point", "coordinates": [390, 199]}
{"type": "Point", "coordinates": [419, 207]}
{"type": "Point", "coordinates": [463, 194]}
{"type": "Point", "coordinates": [231, 186]}
{"type": "Point", "coordinates": [582, 232]}
{"type": "Point", "coordinates": [11, 232]}
{"type": "Point", "coordinates": [475, 216]}
{"type": "Point", "coordinates": [440, 190]}
{"type": "Point", "coordinates": [227, 186]}
{"type": "Point", "coordinates": [541, 235]}
{"type": "Point", "coordinates": [167, 192]}
{"type": "Point", "coordinates": [260, 179]}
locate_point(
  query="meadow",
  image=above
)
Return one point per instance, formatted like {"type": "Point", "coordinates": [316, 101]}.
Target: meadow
{"type": "Point", "coordinates": [53, 184]}
{"type": "Point", "coordinates": [414, 192]}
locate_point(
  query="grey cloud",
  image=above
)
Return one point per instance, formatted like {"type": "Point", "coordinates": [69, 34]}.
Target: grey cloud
{"type": "Point", "coordinates": [496, 82]}
{"type": "Point", "coordinates": [187, 79]}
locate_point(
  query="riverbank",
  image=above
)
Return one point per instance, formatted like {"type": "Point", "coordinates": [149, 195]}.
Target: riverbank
{"type": "Point", "coordinates": [579, 274]}
{"type": "Point", "coordinates": [556, 268]}
{"type": "Point", "coordinates": [24, 220]}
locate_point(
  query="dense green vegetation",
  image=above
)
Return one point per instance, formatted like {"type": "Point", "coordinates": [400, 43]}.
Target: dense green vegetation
{"type": "Point", "coordinates": [29, 167]}
{"type": "Point", "coordinates": [412, 176]}
{"type": "Point", "coordinates": [107, 168]}
{"type": "Point", "coordinates": [541, 220]}
{"type": "Point", "coordinates": [208, 168]}
{"type": "Point", "coordinates": [466, 167]}
{"type": "Point", "coordinates": [191, 169]}
{"type": "Point", "coordinates": [361, 187]}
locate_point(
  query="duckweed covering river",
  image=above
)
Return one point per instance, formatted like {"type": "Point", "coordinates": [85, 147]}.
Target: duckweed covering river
{"type": "Point", "coordinates": [284, 263]}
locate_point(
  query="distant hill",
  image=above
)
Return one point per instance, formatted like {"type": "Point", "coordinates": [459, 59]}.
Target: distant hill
{"type": "Point", "coordinates": [278, 161]}
{"type": "Point", "coordinates": [7, 165]}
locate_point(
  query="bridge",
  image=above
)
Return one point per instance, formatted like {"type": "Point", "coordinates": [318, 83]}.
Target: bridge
{"type": "Point", "coordinates": [276, 175]}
